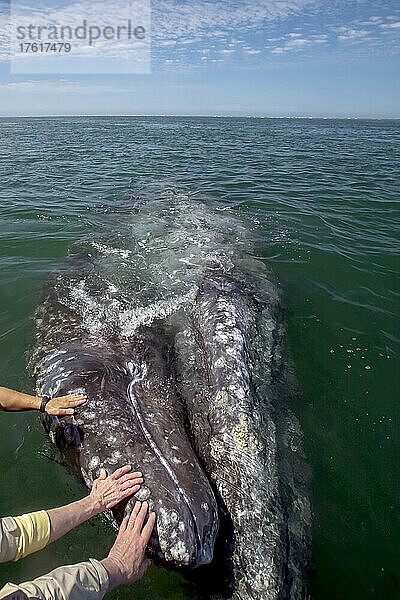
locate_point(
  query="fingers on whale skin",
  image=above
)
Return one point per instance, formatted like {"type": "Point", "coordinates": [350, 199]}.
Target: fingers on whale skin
{"type": "Point", "coordinates": [135, 511]}
{"type": "Point", "coordinates": [131, 483]}
{"type": "Point", "coordinates": [148, 528]}
{"type": "Point", "coordinates": [75, 399]}
{"type": "Point", "coordinates": [123, 470]}
{"type": "Point", "coordinates": [121, 495]}
{"type": "Point", "coordinates": [59, 412]}
{"type": "Point", "coordinates": [139, 521]}
{"type": "Point", "coordinates": [124, 523]}
{"type": "Point", "coordinates": [130, 477]}
{"type": "Point", "coordinates": [136, 519]}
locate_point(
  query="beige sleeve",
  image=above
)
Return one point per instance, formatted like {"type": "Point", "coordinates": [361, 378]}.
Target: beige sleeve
{"type": "Point", "coordinates": [83, 581]}
{"type": "Point", "coordinates": [9, 539]}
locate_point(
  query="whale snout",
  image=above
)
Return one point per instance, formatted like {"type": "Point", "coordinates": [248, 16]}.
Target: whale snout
{"type": "Point", "coordinates": [182, 537]}
{"type": "Point", "coordinates": [180, 540]}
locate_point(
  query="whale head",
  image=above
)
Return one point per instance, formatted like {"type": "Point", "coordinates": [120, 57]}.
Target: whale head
{"type": "Point", "coordinates": [133, 416]}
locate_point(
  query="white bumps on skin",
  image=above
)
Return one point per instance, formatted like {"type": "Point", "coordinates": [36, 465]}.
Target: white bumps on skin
{"type": "Point", "coordinates": [178, 553]}
{"type": "Point", "coordinates": [217, 448]}
{"type": "Point", "coordinates": [143, 494]}
{"type": "Point", "coordinates": [169, 528]}
{"type": "Point", "coordinates": [94, 463]}
{"type": "Point", "coordinates": [241, 433]}
{"type": "Point", "coordinates": [115, 457]}
{"type": "Point", "coordinates": [255, 445]}
{"type": "Point", "coordinates": [89, 416]}
{"type": "Point", "coordinates": [221, 398]}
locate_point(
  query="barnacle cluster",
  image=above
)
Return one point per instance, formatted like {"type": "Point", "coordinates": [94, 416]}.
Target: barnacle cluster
{"type": "Point", "coordinates": [241, 433]}
{"type": "Point", "coordinates": [255, 445]}
{"type": "Point", "coordinates": [221, 398]}
{"type": "Point", "coordinates": [217, 449]}
{"type": "Point", "coordinates": [242, 438]}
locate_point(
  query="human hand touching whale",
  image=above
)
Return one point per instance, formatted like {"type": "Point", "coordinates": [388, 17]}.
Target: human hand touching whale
{"type": "Point", "coordinates": [13, 401]}
{"type": "Point", "coordinates": [107, 492]}
{"type": "Point", "coordinates": [125, 562]}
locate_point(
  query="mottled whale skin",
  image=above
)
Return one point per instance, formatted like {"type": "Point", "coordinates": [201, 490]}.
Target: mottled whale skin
{"type": "Point", "coordinates": [133, 416]}
{"type": "Point", "coordinates": [230, 370]}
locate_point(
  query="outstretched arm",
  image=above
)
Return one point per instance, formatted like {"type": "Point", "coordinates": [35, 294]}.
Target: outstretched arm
{"type": "Point", "coordinates": [23, 535]}
{"type": "Point", "coordinates": [11, 400]}
{"type": "Point", "coordinates": [92, 579]}
{"type": "Point", "coordinates": [106, 493]}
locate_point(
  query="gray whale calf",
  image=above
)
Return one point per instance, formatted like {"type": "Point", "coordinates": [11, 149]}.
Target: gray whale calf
{"type": "Point", "coordinates": [132, 416]}
{"type": "Point", "coordinates": [174, 331]}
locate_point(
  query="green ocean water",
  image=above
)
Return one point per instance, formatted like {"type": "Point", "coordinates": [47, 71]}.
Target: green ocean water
{"type": "Point", "coordinates": [323, 197]}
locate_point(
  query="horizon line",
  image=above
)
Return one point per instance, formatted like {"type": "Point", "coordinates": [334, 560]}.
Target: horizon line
{"type": "Point", "coordinates": [211, 116]}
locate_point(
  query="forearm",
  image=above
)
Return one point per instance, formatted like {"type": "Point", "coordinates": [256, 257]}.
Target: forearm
{"type": "Point", "coordinates": [65, 518]}
{"type": "Point", "coordinates": [11, 400]}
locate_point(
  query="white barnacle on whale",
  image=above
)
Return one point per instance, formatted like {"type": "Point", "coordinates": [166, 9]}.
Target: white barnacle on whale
{"type": "Point", "coordinates": [241, 433]}
{"type": "Point", "coordinates": [178, 553]}
{"type": "Point", "coordinates": [94, 462]}
{"type": "Point", "coordinates": [142, 494]}
{"type": "Point", "coordinates": [115, 457]}
{"type": "Point", "coordinates": [89, 415]}
{"type": "Point", "coordinates": [256, 447]}
{"type": "Point", "coordinates": [221, 398]}
{"type": "Point", "coordinates": [217, 448]}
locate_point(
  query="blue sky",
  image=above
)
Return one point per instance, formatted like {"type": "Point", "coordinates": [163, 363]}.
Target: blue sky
{"type": "Point", "coordinates": [265, 58]}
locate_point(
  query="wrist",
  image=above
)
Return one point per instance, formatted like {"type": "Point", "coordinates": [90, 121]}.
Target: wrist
{"type": "Point", "coordinates": [31, 402]}
{"type": "Point", "coordinates": [91, 506]}
{"type": "Point", "coordinates": [115, 576]}
{"type": "Point", "coordinates": [36, 402]}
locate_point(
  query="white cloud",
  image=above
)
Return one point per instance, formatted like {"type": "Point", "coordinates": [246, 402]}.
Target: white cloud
{"type": "Point", "coordinates": [220, 18]}
{"type": "Point", "coordinates": [394, 25]}
{"type": "Point", "coordinates": [298, 41]}
{"type": "Point", "coordinates": [350, 33]}
{"type": "Point", "coordinates": [58, 86]}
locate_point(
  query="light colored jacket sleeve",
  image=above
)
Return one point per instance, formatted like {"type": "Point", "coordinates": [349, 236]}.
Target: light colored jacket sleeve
{"type": "Point", "coordinates": [83, 581]}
